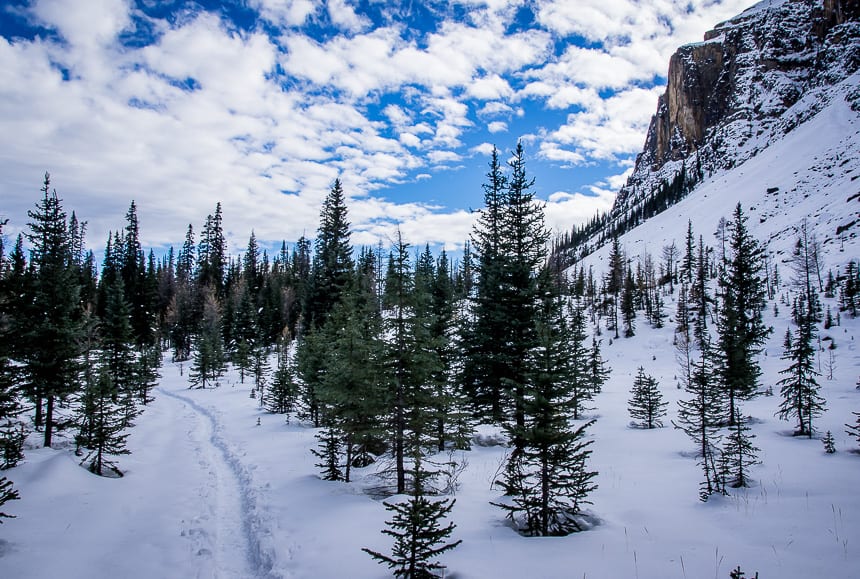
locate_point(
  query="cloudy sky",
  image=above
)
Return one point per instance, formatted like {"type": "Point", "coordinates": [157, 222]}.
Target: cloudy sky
{"type": "Point", "coordinates": [261, 104]}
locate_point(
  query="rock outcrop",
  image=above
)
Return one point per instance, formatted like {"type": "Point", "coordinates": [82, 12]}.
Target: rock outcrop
{"type": "Point", "coordinates": [753, 79]}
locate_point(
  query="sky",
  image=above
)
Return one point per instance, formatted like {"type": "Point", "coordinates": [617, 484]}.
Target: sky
{"type": "Point", "coordinates": [261, 104]}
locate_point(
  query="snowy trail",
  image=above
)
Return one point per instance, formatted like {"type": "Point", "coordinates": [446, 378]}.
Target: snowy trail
{"type": "Point", "coordinates": [231, 531]}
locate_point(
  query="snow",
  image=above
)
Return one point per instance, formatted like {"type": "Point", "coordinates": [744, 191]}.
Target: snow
{"type": "Point", "coordinates": [209, 493]}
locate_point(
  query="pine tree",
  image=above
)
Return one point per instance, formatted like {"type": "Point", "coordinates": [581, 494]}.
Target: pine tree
{"type": "Point", "coordinates": [209, 360]}
{"type": "Point", "coordinates": [546, 479]}
{"type": "Point", "coordinates": [646, 404]}
{"type": "Point", "coordinates": [329, 452]}
{"type": "Point", "coordinates": [281, 396]}
{"type": "Point", "coordinates": [829, 443]}
{"type": "Point", "coordinates": [628, 309]}
{"type": "Point", "coordinates": [854, 429]}
{"type": "Point", "coordinates": [799, 388]}
{"type": "Point", "coordinates": [351, 389]}
{"type": "Point", "coordinates": [419, 533]}
{"type": "Point", "coordinates": [409, 361]}
{"type": "Point", "coordinates": [740, 326]}
{"type": "Point", "coordinates": [483, 371]}
{"type": "Point", "coordinates": [49, 328]}
{"type": "Point", "coordinates": [7, 493]}
{"type": "Point", "coordinates": [118, 357]}
{"type": "Point", "coordinates": [598, 371]}
{"type": "Point", "coordinates": [332, 264]}
{"type": "Point", "coordinates": [738, 453]}
{"type": "Point", "coordinates": [107, 425]}
{"type": "Point", "coordinates": [699, 417]}
{"type": "Point", "coordinates": [615, 284]}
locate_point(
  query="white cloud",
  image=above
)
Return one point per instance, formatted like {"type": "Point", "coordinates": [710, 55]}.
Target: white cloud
{"type": "Point", "coordinates": [343, 16]}
{"type": "Point", "coordinates": [611, 127]}
{"type": "Point", "coordinates": [563, 210]}
{"type": "Point", "coordinates": [285, 12]}
{"type": "Point", "coordinates": [497, 127]}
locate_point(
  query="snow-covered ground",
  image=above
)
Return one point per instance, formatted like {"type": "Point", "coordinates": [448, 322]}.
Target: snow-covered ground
{"type": "Point", "coordinates": [210, 493]}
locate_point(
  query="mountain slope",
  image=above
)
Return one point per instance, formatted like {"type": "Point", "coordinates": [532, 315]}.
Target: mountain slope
{"type": "Point", "coordinates": [765, 112]}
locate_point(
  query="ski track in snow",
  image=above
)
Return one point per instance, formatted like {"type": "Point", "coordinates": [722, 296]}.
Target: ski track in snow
{"type": "Point", "coordinates": [237, 525]}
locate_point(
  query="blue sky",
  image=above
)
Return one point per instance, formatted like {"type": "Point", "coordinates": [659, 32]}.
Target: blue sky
{"type": "Point", "coordinates": [261, 104]}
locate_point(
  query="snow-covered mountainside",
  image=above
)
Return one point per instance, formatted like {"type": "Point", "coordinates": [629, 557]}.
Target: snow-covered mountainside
{"type": "Point", "coordinates": [765, 112]}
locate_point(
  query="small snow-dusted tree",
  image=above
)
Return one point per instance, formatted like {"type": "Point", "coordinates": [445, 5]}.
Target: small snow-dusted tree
{"type": "Point", "coordinates": [829, 443]}
{"type": "Point", "coordinates": [854, 430]}
{"type": "Point", "coordinates": [738, 454]}
{"type": "Point", "coordinates": [800, 388]}
{"type": "Point", "coordinates": [107, 426]}
{"type": "Point", "coordinates": [419, 532]}
{"type": "Point", "coordinates": [699, 417]}
{"type": "Point", "coordinates": [329, 452]}
{"type": "Point", "coordinates": [282, 392]}
{"type": "Point", "coordinates": [7, 493]}
{"type": "Point", "coordinates": [209, 362]}
{"type": "Point", "coordinates": [646, 404]}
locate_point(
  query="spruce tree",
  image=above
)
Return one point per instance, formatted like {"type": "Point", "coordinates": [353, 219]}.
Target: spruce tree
{"type": "Point", "coordinates": [7, 493]}
{"type": "Point", "coordinates": [351, 389]}
{"type": "Point", "coordinates": [628, 308]}
{"type": "Point", "coordinates": [419, 533]}
{"type": "Point", "coordinates": [50, 328]}
{"type": "Point", "coordinates": [646, 404]}
{"type": "Point", "coordinates": [741, 329]}
{"type": "Point", "coordinates": [108, 423]}
{"type": "Point", "coordinates": [209, 360]}
{"type": "Point", "coordinates": [118, 357]}
{"type": "Point", "coordinates": [281, 395]}
{"type": "Point", "coordinates": [699, 417]}
{"type": "Point", "coordinates": [615, 285]}
{"type": "Point", "coordinates": [332, 263]}
{"type": "Point", "coordinates": [738, 453]}
{"type": "Point", "coordinates": [483, 371]}
{"type": "Point", "coordinates": [829, 443]}
{"type": "Point", "coordinates": [854, 429]}
{"type": "Point", "coordinates": [546, 478]}
{"type": "Point", "coordinates": [799, 388]}
{"type": "Point", "coordinates": [525, 238]}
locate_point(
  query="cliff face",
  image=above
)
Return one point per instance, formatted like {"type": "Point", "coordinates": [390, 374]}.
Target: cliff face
{"type": "Point", "coordinates": [753, 79]}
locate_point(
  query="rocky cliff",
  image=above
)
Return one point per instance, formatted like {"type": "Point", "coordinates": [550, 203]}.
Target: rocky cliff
{"type": "Point", "coordinates": [752, 80]}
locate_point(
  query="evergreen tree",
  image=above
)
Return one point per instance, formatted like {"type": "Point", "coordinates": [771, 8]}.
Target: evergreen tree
{"type": "Point", "coordinates": [738, 454]}
{"type": "Point", "coordinates": [483, 371]}
{"type": "Point", "coordinates": [525, 240]}
{"type": "Point", "coordinates": [419, 532]}
{"type": "Point", "coordinates": [615, 284]}
{"type": "Point", "coordinates": [7, 493]}
{"type": "Point", "coordinates": [351, 389]}
{"type": "Point", "coordinates": [854, 429]}
{"type": "Point", "coordinates": [598, 371]}
{"type": "Point", "coordinates": [799, 388]}
{"type": "Point", "coordinates": [116, 341]}
{"type": "Point", "coordinates": [107, 424]}
{"type": "Point", "coordinates": [209, 360]}
{"type": "Point", "coordinates": [699, 417]}
{"type": "Point", "coordinates": [646, 403]}
{"type": "Point", "coordinates": [329, 452]}
{"type": "Point", "coordinates": [546, 479]}
{"type": "Point", "coordinates": [450, 403]}
{"type": "Point", "coordinates": [628, 309]}
{"type": "Point", "coordinates": [332, 264]}
{"type": "Point", "coordinates": [281, 396]}
{"type": "Point", "coordinates": [829, 443]}
{"type": "Point", "coordinates": [409, 360]}
{"type": "Point", "coordinates": [740, 326]}
{"type": "Point", "coordinates": [49, 328]}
